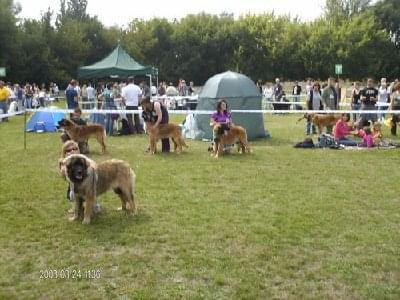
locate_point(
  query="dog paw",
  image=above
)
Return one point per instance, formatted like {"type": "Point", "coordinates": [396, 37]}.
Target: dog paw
{"type": "Point", "coordinates": [86, 221]}
{"type": "Point", "coordinates": [73, 218]}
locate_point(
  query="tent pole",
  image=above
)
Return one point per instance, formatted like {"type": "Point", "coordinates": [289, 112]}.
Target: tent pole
{"type": "Point", "coordinates": [25, 130]}
{"type": "Point", "coordinates": [151, 96]}
{"type": "Point", "coordinates": [157, 81]}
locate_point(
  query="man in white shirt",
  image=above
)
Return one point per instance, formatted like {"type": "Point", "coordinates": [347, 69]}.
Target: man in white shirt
{"type": "Point", "coordinates": [90, 95]}
{"type": "Point", "coordinates": [131, 96]}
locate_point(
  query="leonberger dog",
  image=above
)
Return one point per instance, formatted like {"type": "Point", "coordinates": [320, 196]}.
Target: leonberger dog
{"type": "Point", "coordinates": [228, 137]}
{"type": "Point", "coordinates": [321, 120]}
{"type": "Point", "coordinates": [163, 131]}
{"type": "Point", "coordinates": [81, 133]}
{"type": "Point", "coordinates": [89, 180]}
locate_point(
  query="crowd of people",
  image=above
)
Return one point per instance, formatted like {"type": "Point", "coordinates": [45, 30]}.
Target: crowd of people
{"type": "Point", "coordinates": [327, 96]}
{"type": "Point", "coordinates": [28, 95]}
{"type": "Point", "coordinates": [124, 95]}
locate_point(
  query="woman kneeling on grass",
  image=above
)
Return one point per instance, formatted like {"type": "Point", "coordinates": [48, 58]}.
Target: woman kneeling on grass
{"type": "Point", "coordinates": [223, 117]}
{"type": "Point", "coordinates": [341, 130]}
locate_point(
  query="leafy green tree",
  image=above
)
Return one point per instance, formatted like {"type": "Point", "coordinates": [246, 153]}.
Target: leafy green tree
{"type": "Point", "coordinates": [8, 30]}
{"type": "Point", "coordinates": [341, 10]}
{"type": "Point", "coordinates": [388, 14]}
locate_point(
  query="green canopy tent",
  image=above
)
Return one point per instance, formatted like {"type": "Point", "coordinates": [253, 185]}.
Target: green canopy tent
{"type": "Point", "coordinates": [117, 64]}
{"type": "Point", "coordinates": [241, 94]}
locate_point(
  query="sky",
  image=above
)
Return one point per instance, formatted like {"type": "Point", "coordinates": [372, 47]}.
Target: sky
{"type": "Point", "coordinates": [121, 12]}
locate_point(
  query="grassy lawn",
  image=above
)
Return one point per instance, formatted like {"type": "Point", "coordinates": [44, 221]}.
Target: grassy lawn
{"type": "Point", "coordinates": [278, 223]}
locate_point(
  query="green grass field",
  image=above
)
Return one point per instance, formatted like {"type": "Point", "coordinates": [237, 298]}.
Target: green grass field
{"type": "Point", "coordinates": [279, 223]}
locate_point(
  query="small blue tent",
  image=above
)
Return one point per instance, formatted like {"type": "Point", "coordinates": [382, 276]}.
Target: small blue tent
{"type": "Point", "coordinates": [44, 121]}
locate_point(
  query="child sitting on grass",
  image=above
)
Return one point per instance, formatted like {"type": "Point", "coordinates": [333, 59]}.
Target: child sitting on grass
{"type": "Point", "coordinates": [367, 139]}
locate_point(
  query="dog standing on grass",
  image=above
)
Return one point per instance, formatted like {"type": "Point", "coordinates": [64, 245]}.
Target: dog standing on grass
{"type": "Point", "coordinates": [89, 180]}
{"type": "Point", "coordinates": [81, 133]}
{"type": "Point", "coordinates": [321, 120]}
{"type": "Point", "coordinates": [163, 131]}
{"type": "Point", "coordinates": [235, 133]}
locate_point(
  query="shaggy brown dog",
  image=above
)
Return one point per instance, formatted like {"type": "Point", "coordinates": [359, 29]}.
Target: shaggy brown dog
{"type": "Point", "coordinates": [88, 180]}
{"type": "Point", "coordinates": [321, 120]}
{"type": "Point", "coordinates": [163, 131]}
{"type": "Point", "coordinates": [235, 133]}
{"type": "Point", "coordinates": [81, 133]}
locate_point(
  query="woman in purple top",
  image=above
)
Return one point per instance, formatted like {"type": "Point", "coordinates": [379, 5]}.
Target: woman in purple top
{"type": "Point", "coordinates": [222, 116]}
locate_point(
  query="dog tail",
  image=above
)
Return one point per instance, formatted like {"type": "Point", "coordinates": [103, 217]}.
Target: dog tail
{"type": "Point", "coordinates": [303, 117]}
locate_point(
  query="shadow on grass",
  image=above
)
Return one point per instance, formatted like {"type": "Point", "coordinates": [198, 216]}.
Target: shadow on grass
{"type": "Point", "coordinates": [108, 226]}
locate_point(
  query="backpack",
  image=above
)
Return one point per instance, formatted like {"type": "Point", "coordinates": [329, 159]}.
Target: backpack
{"type": "Point", "coordinates": [327, 141]}
{"type": "Point", "coordinates": [307, 144]}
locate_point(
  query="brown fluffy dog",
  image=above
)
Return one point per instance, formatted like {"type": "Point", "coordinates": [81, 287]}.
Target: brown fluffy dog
{"type": "Point", "coordinates": [81, 133]}
{"type": "Point", "coordinates": [234, 134]}
{"type": "Point", "coordinates": [163, 131]}
{"type": "Point", "coordinates": [321, 120]}
{"type": "Point", "coordinates": [88, 180]}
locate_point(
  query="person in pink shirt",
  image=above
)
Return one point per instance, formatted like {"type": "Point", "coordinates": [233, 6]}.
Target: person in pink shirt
{"type": "Point", "coordinates": [367, 139]}
{"type": "Point", "coordinates": [342, 130]}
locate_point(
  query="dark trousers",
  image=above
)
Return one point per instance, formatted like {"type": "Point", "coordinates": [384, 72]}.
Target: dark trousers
{"type": "Point", "coordinates": [165, 142]}
{"type": "Point", "coordinates": [133, 128]}
{"type": "Point", "coordinates": [395, 120]}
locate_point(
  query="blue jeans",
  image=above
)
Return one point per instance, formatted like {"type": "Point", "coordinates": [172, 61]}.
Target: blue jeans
{"type": "Point", "coordinates": [346, 142]}
{"type": "Point", "coordinates": [310, 126]}
{"type": "Point", "coordinates": [355, 107]}
{"type": "Point", "coordinates": [383, 108]}
{"type": "Point", "coordinates": [4, 107]}
{"type": "Point", "coordinates": [368, 117]}
{"type": "Point", "coordinates": [109, 120]}
{"type": "Point", "coordinates": [28, 102]}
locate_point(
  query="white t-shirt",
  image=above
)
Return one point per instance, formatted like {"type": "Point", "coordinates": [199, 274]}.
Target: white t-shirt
{"type": "Point", "coordinates": [383, 94]}
{"type": "Point", "coordinates": [131, 94]}
{"type": "Point", "coordinates": [153, 90]}
{"type": "Point", "coordinates": [90, 92]}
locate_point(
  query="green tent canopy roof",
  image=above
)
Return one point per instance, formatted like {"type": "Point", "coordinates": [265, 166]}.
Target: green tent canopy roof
{"type": "Point", "coordinates": [117, 63]}
{"type": "Point", "coordinates": [230, 85]}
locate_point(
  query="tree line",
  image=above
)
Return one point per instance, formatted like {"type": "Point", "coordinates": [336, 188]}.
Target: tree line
{"type": "Point", "coordinates": [363, 37]}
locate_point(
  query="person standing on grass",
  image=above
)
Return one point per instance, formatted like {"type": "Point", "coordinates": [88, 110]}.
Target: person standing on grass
{"type": "Point", "coordinates": [330, 96]}
{"type": "Point", "coordinates": [156, 113]}
{"type": "Point", "coordinates": [309, 86]}
{"type": "Point", "coordinates": [71, 95]}
{"type": "Point", "coordinates": [296, 91]}
{"type": "Point", "coordinates": [395, 105]}
{"type": "Point", "coordinates": [278, 90]}
{"type": "Point", "coordinates": [383, 98]}
{"type": "Point", "coordinates": [91, 95]}
{"type": "Point", "coordinates": [28, 96]}
{"type": "Point", "coordinates": [314, 102]}
{"type": "Point", "coordinates": [4, 95]}
{"type": "Point", "coordinates": [108, 104]}
{"type": "Point", "coordinates": [355, 99]}
{"type": "Point", "coordinates": [84, 96]}
{"type": "Point", "coordinates": [330, 99]}
{"type": "Point", "coordinates": [131, 96]}
{"type": "Point", "coordinates": [369, 96]}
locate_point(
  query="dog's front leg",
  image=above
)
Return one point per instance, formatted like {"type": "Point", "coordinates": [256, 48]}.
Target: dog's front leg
{"type": "Point", "coordinates": [88, 208]}
{"type": "Point", "coordinates": [77, 207]}
{"type": "Point", "coordinates": [153, 145]}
